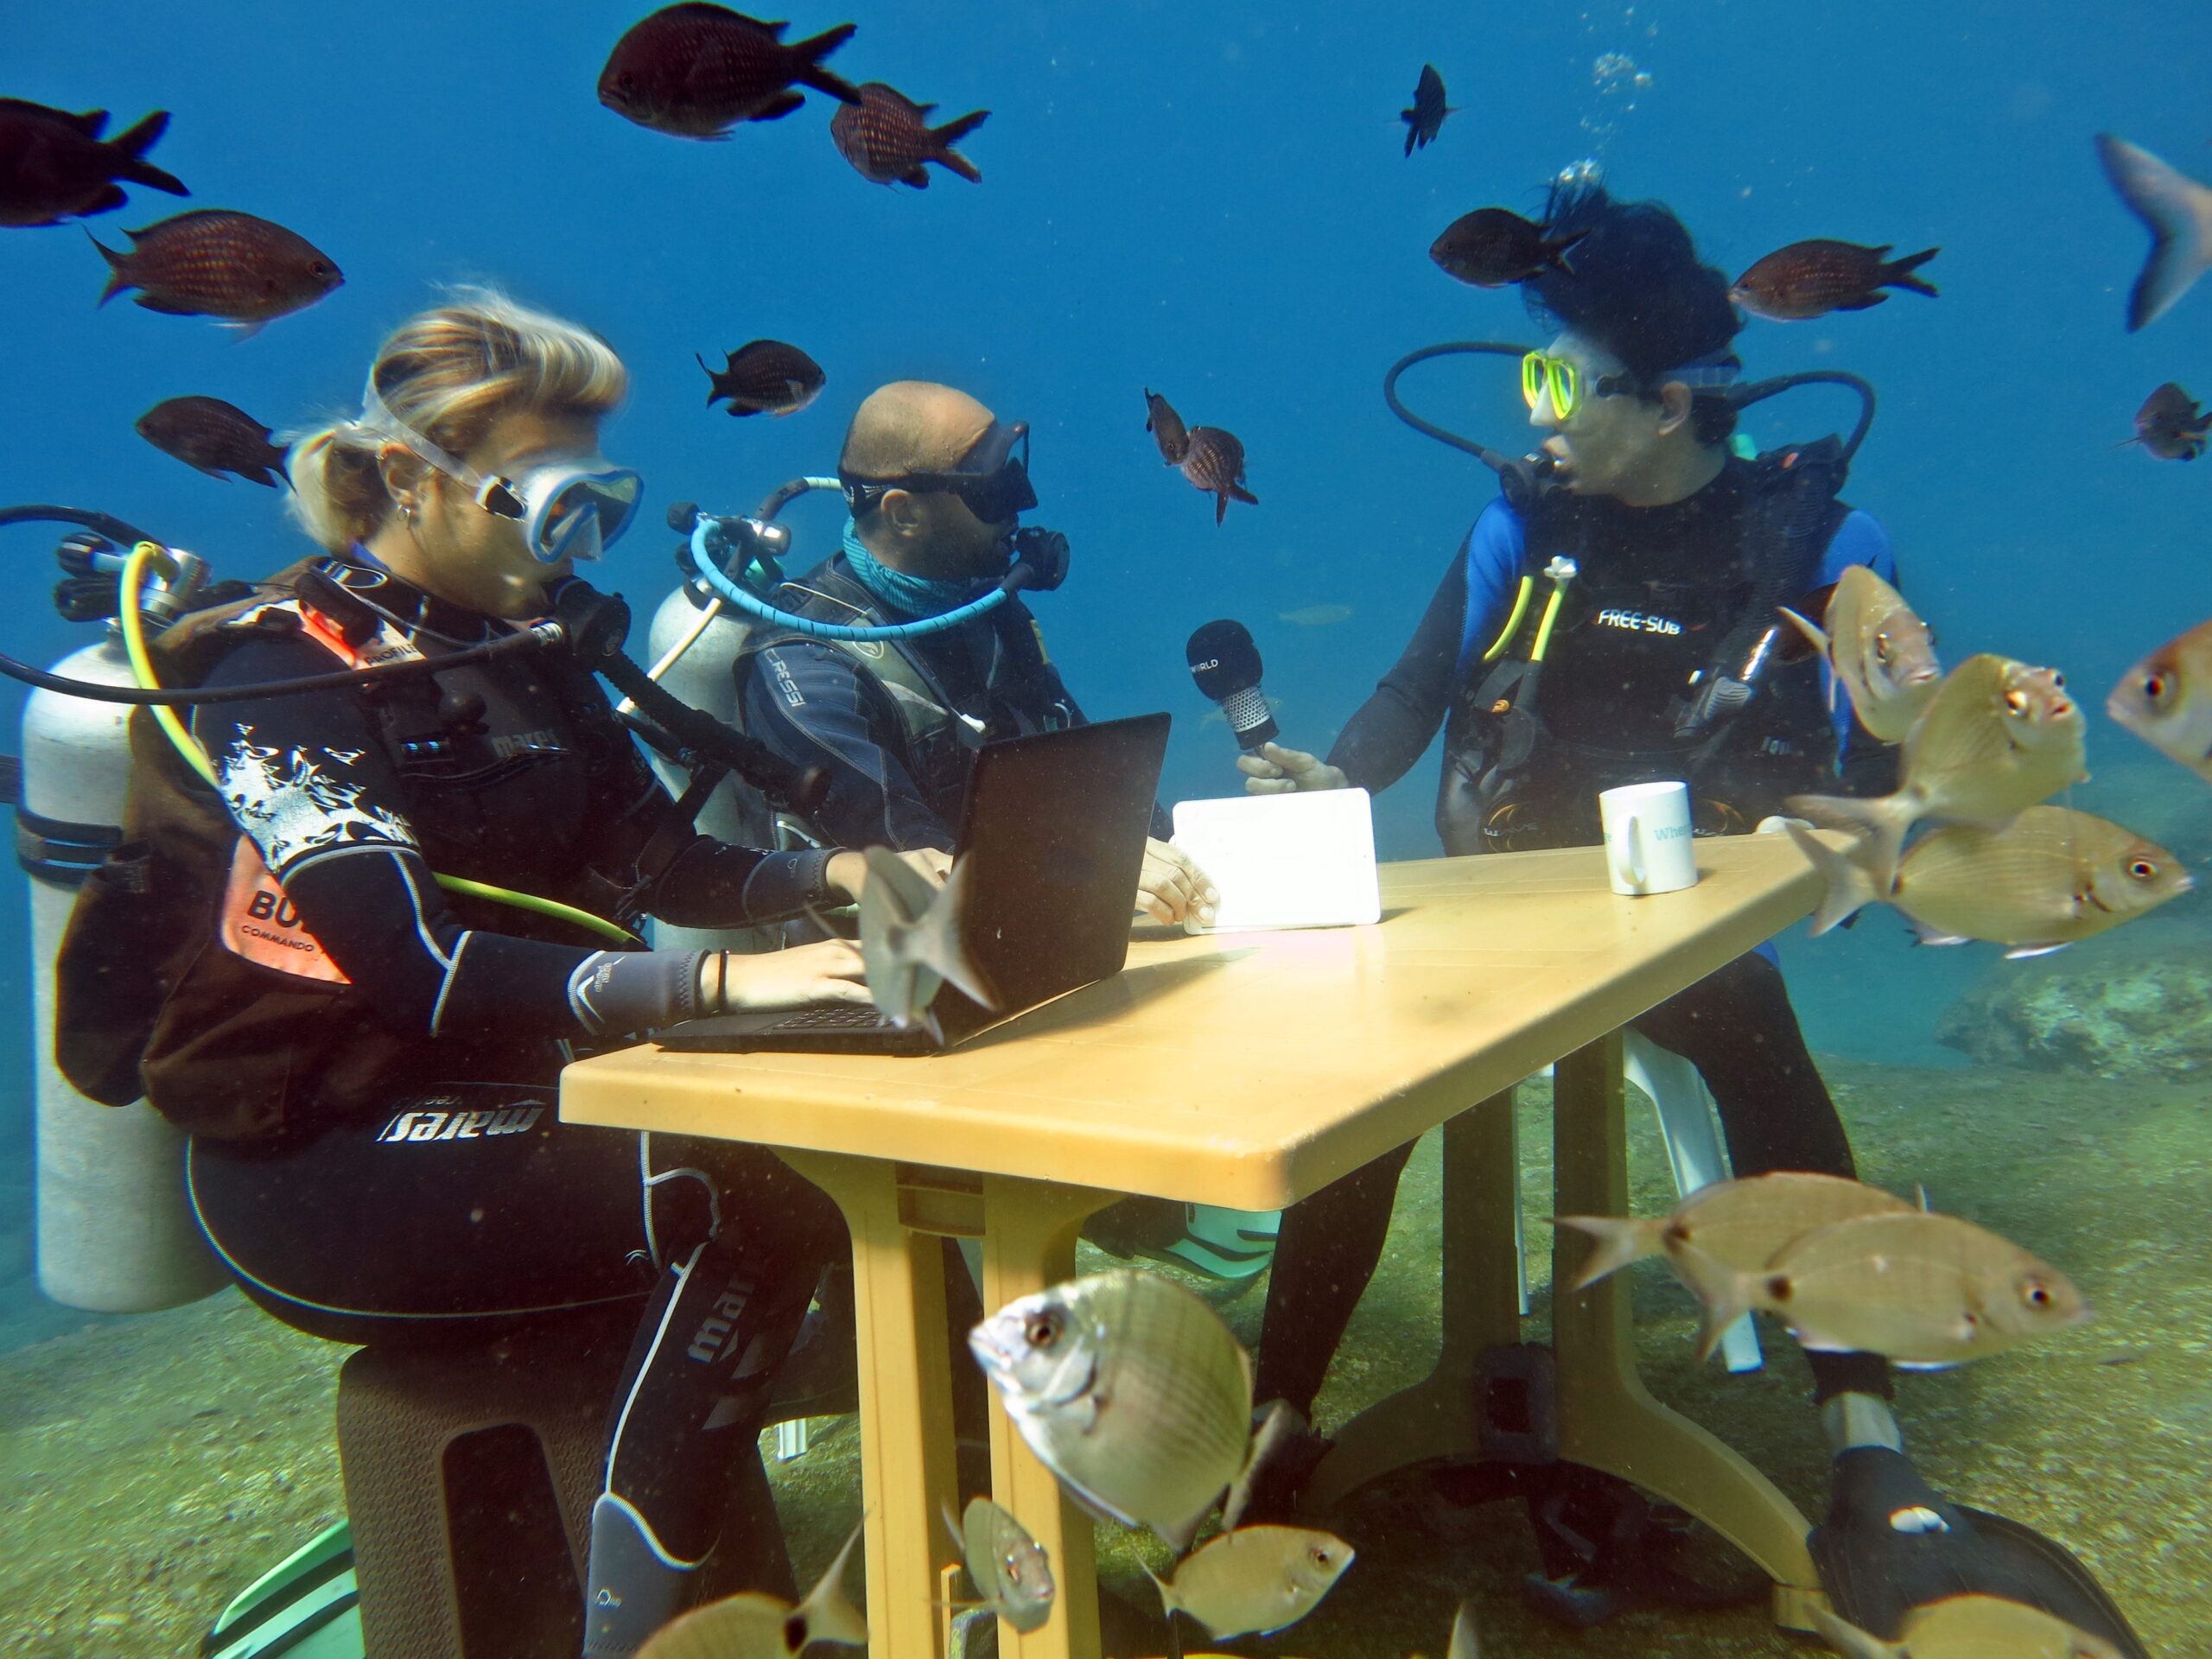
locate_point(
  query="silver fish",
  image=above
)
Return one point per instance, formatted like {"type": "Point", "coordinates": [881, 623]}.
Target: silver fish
{"type": "Point", "coordinates": [1968, 1627]}
{"type": "Point", "coordinates": [1012, 1570]}
{"type": "Point", "coordinates": [2047, 879]}
{"type": "Point", "coordinates": [910, 938]}
{"type": "Point", "coordinates": [1927, 1290]}
{"type": "Point", "coordinates": [1881, 653]}
{"type": "Point", "coordinates": [1256, 1579]}
{"type": "Point", "coordinates": [758, 1626]}
{"type": "Point", "coordinates": [2177, 212]}
{"type": "Point", "coordinates": [1743, 1223]}
{"type": "Point", "coordinates": [1997, 737]}
{"type": "Point", "coordinates": [2166, 700]}
{"type": "Point", "coordinates": [1130, 1390]}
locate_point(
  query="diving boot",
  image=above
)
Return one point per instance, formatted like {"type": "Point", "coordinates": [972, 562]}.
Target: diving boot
{"type": "Point", "coordinates": [1892, 1543]}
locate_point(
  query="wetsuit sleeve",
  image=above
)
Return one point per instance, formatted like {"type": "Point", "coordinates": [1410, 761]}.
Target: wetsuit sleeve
{"type": "Point", "coordinates": [307, 781]}
{"type": "Point", "coordinates": [1864, 762]}
{"type": "Point", "coordinates": [810, 704]}
{"type": "Point", "coordinates": [1390, 731]}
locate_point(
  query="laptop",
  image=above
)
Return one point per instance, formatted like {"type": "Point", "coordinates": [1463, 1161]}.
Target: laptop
{"type": "Point", "coordinates": [1052, 831]}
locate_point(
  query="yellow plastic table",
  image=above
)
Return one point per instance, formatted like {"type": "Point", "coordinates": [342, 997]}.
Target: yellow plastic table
{"type": "Point", "coordinates": [1248, 1071]}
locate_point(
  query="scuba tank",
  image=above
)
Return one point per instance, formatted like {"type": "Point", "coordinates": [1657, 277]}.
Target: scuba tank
{"type": "Point", "coordinates": [116, 1232]}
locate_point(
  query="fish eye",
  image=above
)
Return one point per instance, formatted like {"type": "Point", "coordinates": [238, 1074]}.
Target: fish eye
{"type": "Point", "coordinates": [1882, 648]}
{"type": "Point", "coordinates": [2057, 681]}
{"type": "Point", "coordinates": [2017, 701]}
{"type": "Point", "coordinates": [1323, 1556]}
{"type": "Point", "coordinates": [1045, 1328]}
{"type": "Point", "coordinates": [2142, 868]}
{"type": "Point", "coordinates": [2157, 686]}
{"type": "Point", "coordinates": [2036, 1293]}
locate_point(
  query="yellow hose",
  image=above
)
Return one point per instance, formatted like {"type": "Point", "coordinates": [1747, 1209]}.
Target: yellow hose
{"type": "Point", "coordinates": [1513, 622]}
{"type": "Point", "coordinates": [1544, 628]}
{"type": "Point", "coordinates": [142, 670]}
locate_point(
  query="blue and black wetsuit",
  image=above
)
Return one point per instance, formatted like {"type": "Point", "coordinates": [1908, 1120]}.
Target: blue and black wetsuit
{"type": "Point", "coordinates": [1657, 590]}
{"type": "Point", "coordinates": [394, 1168]}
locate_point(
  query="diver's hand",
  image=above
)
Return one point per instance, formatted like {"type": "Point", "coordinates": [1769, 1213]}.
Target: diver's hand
{"type": "Point", "coordinates": [1171, 887]}
{"type": "Point", "coordinates": [848, 871]}
{"type": "Point", "coordinates": [1278, 771]}
{"type": "Point", "coordinates": [830, 971]}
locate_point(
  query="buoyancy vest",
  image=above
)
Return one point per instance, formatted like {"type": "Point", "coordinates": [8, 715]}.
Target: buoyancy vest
{"type": "Point", "coordinates": [947, 706]}
{"type": "Point", "coordinates": [185, 975]}
{"type": "Point", "coordinates": [1646, 673]}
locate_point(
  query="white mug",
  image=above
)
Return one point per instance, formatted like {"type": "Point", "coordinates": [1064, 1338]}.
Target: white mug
{"type": "Point", "coordinates": [1649, 847]}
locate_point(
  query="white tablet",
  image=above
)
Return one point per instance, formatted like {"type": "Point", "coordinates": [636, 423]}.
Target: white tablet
{"type": "Point", "coordinates": [1284, 861]}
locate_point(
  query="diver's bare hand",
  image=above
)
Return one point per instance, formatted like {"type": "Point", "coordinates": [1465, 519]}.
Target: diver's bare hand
{"type": "Point", "coordinates": [1278, 771]}
{"type": "Point", "coordinates": [830, 971]}
{"type": "Point", "coordinates": [848, 871]}
{"type": "Point", "coordinates": [1171, 887]}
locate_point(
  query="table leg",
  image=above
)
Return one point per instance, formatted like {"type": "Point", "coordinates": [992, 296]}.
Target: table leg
{"type": "Point", "coordinates": [1029, 1233]}
{"type": "Point", "coordinates": [905, 1400]}
{"type": "Point", "coordinates": [1607, 1419]}
{"type": "Point", "coordinates": [1481, 1310]}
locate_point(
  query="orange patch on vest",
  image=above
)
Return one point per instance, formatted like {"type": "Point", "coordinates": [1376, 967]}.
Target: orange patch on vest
{"type": "Point", "coordinates": [258, 922]}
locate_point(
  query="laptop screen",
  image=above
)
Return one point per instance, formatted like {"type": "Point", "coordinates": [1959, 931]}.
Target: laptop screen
{"type": "Point", "coordinates": [1055, 825]}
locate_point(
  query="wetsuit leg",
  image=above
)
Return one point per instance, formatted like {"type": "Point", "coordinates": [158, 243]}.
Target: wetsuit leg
{"type": "Point", "coordinates": [471, 1209]}
{"type": "Point", "coordinates": [1736, 1026]}
{"type": "Point", "coordinates": [1326, 1251]}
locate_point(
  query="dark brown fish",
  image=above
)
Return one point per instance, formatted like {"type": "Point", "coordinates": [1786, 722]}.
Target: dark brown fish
{"type": "Point", "coordinates": [887, 136]}
{"type": "Point", "coordinates": [215, 436]}
{"type": "Point", "coordinates": [1214, 461]}
{"type": "Point", "coordinates": [1428, 109]}
{"type": "Point", "coordinates": [2170, 425]}
{"type": "Point", "coordinates": [696, 70]}
{"type": "Point", "coordinates": [1810, 279]}
{"type": "Point", "coordinates": [54, 165]}
{"type": "Point", "coordinates": [214, 262]}
{"type": "Point", "coordinates": [1166, 429]}
{"type": "Point", "coordinates": [1491, 247]}
{"type": "Point", "coordinates": [765, 377]}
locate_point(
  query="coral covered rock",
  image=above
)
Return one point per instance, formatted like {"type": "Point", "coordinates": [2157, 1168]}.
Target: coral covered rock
{"type": "Point", "coordinates": [2135, 1003]}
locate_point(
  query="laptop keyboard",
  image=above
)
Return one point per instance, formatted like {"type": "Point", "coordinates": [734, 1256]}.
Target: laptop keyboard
{"type": "Point", "coordinates": [837, 1017]}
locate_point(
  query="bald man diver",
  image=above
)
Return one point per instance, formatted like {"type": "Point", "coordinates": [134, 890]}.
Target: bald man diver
{"type": "Point", "coordinates": [936, 484]}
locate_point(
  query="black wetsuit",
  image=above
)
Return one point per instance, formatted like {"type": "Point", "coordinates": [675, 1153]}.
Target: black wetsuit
{"type": "Point", "coordinates": [1657, 587]}
{"type": "Point", "coordinates": [418, 1186]}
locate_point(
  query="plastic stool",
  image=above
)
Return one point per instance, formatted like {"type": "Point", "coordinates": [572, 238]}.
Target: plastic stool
{"type": "Point", "coordinates": [470, 1474]}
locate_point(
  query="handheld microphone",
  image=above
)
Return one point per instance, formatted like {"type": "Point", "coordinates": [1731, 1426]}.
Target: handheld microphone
{"type": "Point", "coordinates": [1226, 664]}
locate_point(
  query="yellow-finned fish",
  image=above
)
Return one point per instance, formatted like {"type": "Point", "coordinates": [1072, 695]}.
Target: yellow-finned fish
{"type": "Point", "coordinates": [1256, 1579]}
{"type": "Point", "coordinates": [1969, 1627]}
{"type": "Point", "coordinates": [757, 1626]}
{"type": "Point", "coordinates": [1130, 1390]}
{"type": "Point", "coordinates": [1741, 1223]}
{"type": "Point", "coordinates": [2051, 877]}
{"type": "Point", "coordinates": [1997, 737]}
{"type": "Point", "coordinates": [910, 938]}
{"type": "Point", "coordinates": [2166, 700]}
{"type": "Point", "coordinates": [1012, 1572]}
{"type": "Point", "coordinates": [1880, 653]}
{"type": "Point", "coordinates": [1926, 1290]}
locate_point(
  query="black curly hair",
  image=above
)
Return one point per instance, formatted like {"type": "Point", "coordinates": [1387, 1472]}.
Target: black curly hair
{"type": "Point", "coordinates": [1638, 289]}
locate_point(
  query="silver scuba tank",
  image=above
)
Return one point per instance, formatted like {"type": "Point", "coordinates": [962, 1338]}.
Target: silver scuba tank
{"type": "Point", "coordinates": [116, 1232]}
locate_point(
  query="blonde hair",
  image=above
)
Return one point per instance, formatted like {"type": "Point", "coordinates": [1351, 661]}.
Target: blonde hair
{"type": "Point", "coordinates": [449, 373]}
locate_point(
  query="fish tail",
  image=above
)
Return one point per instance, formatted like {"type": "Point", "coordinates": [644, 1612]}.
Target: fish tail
{"type": "Point", "coordinates": [118, 278]}
{"type": "Point", "coordinates": [1620, 1241]}
{"type": "Point", "coordinates": [1848, 889]}
{"type": "Point", "coordinates": [938, 943]}
{"type": "Point", "coordinates": [1899, 272]}
{"type": "Point", "coordinates": [950, 133]}
{"type": "Point", "coordinates": [1816, 635]}
{"type": "Point", "coordinates": [1881, 822]}
{"type": "Point", "coordinates": [128, 150]}
{"type": "Point", "coordinates": [1724, 1293]}
{"type": "Point", "coordinates": [1170, 1603]}
{"type": "Point", "coordinates": [810, 52]}
{"type": "Point", "coordinates": [1556, 253]}
{"type": "Point", "coordinates": [827, 1615]}
{"type": "Point", "coordinates": [1238, 493]}
{"type": "Point", "coordinates": [2177, 212]}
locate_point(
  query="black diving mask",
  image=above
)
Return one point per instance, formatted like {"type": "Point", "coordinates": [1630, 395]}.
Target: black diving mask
{"type": "Point", "coordinates": [989, 478]}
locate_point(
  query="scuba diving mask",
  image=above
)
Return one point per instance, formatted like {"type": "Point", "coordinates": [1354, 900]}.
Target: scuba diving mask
{"type": "Point", "coordinates": [569, 508]}
{"type": "Point", "coordinates": [1540, 372]}
{"type": "Point", "coordinates": [990, 478]}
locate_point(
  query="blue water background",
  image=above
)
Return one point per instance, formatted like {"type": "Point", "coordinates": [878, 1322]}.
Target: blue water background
{"type": "Point", "coordinates": [1210, 201]}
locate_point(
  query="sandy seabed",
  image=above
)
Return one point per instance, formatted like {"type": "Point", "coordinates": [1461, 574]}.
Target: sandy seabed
{"type": "Point", "coordinates": [154, 1467]}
